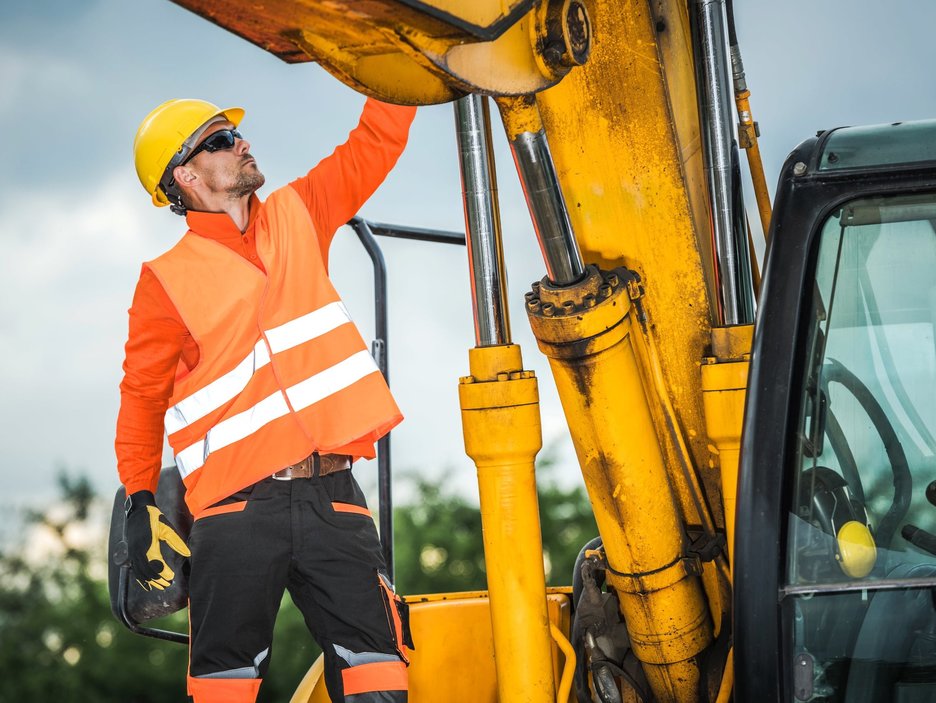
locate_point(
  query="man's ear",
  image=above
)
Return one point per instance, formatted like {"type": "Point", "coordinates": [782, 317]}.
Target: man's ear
{"type": "Point", "coordinates": [184, 176]}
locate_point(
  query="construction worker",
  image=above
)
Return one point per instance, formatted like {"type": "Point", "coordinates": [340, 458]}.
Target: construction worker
{"type": "Point", "coordinates": [241, 349]}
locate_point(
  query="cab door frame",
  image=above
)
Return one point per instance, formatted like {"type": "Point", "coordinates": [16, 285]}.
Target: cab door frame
{"type": "Point", "coordinates": [808, 192]}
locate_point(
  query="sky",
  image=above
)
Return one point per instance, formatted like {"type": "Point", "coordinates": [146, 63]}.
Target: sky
{"type": "Point", "coordinates": [77, 77]}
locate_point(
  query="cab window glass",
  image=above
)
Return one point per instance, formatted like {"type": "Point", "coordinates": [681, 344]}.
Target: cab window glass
{"type": "Point", "coordinates": [866, 448]}
{"type": "Point", "coordinates": [862, 519]}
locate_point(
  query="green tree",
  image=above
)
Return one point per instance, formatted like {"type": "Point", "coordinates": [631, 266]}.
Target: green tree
{"type": "Point", "coordinates": [568, 523]}
{"type": "Point", "coordinates": [437, 542]}
{"type": "Point", "coordinates": [58, 639]}
{"type": "Point", "coordinates": [294, 651]}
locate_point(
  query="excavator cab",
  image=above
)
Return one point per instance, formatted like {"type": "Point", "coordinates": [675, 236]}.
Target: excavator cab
{"type": "Point", "coordinates": [836, 562]}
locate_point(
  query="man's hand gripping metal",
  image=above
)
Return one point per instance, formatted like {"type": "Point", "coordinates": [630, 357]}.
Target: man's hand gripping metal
{"type": "Point", "coordinates": [147, 530]}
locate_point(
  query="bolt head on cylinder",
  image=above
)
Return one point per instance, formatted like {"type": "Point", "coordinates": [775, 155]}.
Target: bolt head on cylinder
{"type": "Point", "coordinates": [575, 316]}
{"type": "Point", "coordinates": [566, 41]}
{"type": "Point", "coordinates": [552, 301]}
{"type": "Point", "coordinates": [578, 33]}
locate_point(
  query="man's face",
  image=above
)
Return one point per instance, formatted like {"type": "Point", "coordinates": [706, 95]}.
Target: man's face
{"type": "Point", "coordinates": [232, 171]}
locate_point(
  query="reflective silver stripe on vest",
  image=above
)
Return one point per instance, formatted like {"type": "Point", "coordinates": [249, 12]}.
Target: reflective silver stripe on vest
{"type": "Point", "coordinates": [218, 392]}
{"type": "Point", "coordinates": [302, 395]}
{"type": "Point", "coordinates": [227, 387]}
{"type": "Point", "coordinates": [309, 326]}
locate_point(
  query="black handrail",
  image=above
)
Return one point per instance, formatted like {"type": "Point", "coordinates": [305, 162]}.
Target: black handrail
{"type": "Point", "coordinates": [365, 230]}
{"type": "Point", "coordinates": [381, 229]}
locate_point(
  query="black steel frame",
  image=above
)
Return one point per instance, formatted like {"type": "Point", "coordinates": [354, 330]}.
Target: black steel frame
{"type": "Point", "coordinates": [365, 231]}
{"type": "Point", "coordinates": [778, 363]}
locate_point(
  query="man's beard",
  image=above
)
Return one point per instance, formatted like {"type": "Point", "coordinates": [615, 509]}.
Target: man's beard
{"type": "Point", "coordinates": [246, 183]}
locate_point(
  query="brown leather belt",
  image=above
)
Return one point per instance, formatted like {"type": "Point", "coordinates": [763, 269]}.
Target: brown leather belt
{"type": "Point", "coordinates": [315, 465]}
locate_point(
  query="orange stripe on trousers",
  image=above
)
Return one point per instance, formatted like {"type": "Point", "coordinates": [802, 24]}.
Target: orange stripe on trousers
{"type": "Point", "coordinates": [350, 508]}
{"type": "Point", "coordinates": [223, 690]}
{"type": "Point", "coordinates": [222, 509]}
{"type": "Point", "coordinates": [377, 676]}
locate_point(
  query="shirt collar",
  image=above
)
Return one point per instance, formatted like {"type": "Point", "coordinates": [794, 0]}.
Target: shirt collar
{"type": "Point", "coordinates": [219, 225]}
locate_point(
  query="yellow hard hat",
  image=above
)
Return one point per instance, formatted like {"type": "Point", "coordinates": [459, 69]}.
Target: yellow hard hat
{"type": "Point", "coordinates": [161, 139]}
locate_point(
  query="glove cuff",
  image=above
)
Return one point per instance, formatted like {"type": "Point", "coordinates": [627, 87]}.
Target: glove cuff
{"type": "Point", "coordinates": [138, 500]}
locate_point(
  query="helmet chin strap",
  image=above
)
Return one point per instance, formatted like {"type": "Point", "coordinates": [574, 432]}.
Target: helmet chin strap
{"type": "Point", "coordinates": [178, 208]}
{"type": "Point", "coordinates": [174, 196]}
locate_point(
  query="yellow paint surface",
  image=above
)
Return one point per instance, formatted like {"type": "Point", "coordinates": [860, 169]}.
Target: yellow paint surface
{"type": "Point", "coordinates": [454, 657]}
{"type": "Point", "coordinates": [628, 158]}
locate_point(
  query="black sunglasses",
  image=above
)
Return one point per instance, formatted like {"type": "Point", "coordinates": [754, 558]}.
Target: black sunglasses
{"type": "Point", "coordinates": [219, 141]}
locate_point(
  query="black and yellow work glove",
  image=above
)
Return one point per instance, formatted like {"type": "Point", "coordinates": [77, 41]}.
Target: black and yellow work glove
{"type": "Point", "coordinates": [147, 530]}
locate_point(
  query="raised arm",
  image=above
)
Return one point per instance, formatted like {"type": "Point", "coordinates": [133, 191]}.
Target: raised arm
{"type": "Point", "coordinates": [341, 183]}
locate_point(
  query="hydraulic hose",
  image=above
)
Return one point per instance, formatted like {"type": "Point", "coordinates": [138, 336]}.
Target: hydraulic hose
{"type": "Point", "coordinates": [577, 584]}
{"type": "Point", "coordinates": [732, 34]}
{"type": "Point", "coordinates": [576, 631]}
{"type": "Point", "coordinates": [747, 128]}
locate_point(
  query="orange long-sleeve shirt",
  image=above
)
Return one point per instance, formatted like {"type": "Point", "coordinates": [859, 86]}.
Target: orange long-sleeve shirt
{"type": "Point", "coordinates": [333, 191]}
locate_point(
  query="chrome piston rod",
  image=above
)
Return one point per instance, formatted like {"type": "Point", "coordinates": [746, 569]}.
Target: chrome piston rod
{"type": "Point", "coordinates": [482, 221]}
{"type": "Point", "coordinates": [732, 256]}
{"type": "Point", "coordinates": [545, 201]}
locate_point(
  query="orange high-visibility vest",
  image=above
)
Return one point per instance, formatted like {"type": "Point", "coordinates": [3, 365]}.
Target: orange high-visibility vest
{"type": "Point", "coordinates": [282, 372]}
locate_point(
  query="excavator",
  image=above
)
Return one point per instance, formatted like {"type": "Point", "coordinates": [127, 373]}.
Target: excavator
{"type": "Point", "coordinates": [758, 450]}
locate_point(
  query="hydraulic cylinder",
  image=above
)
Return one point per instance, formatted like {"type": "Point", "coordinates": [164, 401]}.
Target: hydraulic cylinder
{"type": "Point", "coordinates": [732, 260]}
{"type": "Point", "coordinates": [501, 424]}
{"type": "Point", "coordinates": [482, 221]}
{"type": "Point", "coordinates": [724, 386]}
{"type": "Point", "coordinates": [585, 330]}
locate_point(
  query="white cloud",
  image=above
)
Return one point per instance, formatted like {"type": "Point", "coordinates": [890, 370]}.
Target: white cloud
{"type": "Point", "coordinates": [27, 75]}
{"type": "Point", "coordinates": [71, 262]}
{"type": "Point", "coordinates": [73, 254]}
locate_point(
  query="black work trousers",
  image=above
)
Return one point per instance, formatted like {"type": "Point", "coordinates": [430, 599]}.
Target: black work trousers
{"type": "Point", "coordinates": [316, 538]}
